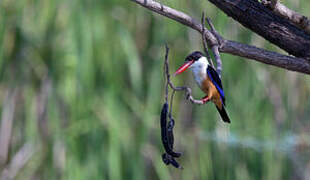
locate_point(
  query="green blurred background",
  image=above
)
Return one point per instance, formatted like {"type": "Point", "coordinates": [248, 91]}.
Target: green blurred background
{"type": "Point", "coordinates": [82, 86]}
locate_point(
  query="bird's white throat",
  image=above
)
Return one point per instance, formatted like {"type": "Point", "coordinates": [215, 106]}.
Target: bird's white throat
{"type": "Point", "coordinates": [199, 70]}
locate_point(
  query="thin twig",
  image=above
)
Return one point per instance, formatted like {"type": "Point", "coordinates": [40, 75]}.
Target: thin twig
{"type": "Point", "coordinates": [171, 102]}
{"type": "Point", "coordinates": [187, 90]}
{"type": "Point", "coordinates": [218, 37]}
{"type": "Point", "coordinates": [167, 91]}
{"type": "Point", "coordinates": [216, 53]}
{"type": "Point", "coordinates": [215, 48]}
{"type": "Point", "coordinates": [204, 41]}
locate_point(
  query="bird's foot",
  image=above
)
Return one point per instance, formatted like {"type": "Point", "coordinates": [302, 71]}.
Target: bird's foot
{"type": "Point", "coordinates": [205, 99]}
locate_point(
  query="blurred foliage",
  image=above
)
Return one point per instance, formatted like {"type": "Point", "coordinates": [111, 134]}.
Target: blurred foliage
{"type": "Point", "coordinates": [100, 66]}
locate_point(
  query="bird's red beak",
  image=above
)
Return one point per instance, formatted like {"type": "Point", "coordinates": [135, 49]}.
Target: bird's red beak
{"type": "Point", "coordinates": [183, 67]}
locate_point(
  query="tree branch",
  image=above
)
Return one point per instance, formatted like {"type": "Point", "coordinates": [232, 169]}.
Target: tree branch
{"type": "Point", "coordinates": [204, 40]}
{"type": "Point", "coordinates": [267, 57]}
{"type": "Point", "coordinates": [283, 11]}
{"type": "Point", "coordinates": [215, 48]}
{"type": "Point", "coordinates": [230, 47]}
{"type": "Point", "coordinates": [277, 30]}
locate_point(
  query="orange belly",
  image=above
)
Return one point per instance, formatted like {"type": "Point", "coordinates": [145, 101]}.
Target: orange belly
{"type": "Point", "coordinates": [209, 88]}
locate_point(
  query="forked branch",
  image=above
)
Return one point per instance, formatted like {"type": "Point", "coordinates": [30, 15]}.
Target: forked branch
{"type": "Point", "coordinates": [214, 46]}
{"type": "Point", "coordinates": [227, 46]}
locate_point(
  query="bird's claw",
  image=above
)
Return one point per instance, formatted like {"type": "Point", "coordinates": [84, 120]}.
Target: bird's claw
{"type": "Point", "coordinates": [205, 100]}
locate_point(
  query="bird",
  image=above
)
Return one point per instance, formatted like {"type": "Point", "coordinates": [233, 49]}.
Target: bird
{"type": "Point", "coordinates": [207, 79]}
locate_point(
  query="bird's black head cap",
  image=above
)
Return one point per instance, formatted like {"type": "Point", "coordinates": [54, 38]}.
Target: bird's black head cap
{"type": "Point", "coordinates": [194, 56]}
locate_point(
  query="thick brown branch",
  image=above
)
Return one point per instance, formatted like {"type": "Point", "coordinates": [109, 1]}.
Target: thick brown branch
{"type": "Point", "coordinates": [231, 47]}
{"type": "Point", "coordinates": [299, 20]}
{"type": "Point", "coordinates": [277, 30]}
{"type": "Point", "coordinates": [267, 57]}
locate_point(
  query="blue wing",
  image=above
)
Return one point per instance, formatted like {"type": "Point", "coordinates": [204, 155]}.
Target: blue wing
{"type": "Point", "coordinates": [216, 81]}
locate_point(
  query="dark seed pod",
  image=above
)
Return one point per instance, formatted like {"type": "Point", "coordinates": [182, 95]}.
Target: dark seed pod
{"type": "Point", "coordinates": [171, 137]}
{"type": "Point", "coordinates": [175, 164]}
{"type": "Point", "coordinates": [163, 125]}
{"type": "Point", "coordinates": [165, 158]}
{"type": "Point", "coordinates": [170, 133]}
{"type": "Point", "coordinates": [164, 133]}
{"type": "Point", "coordinates": [170, 125]}
{"type": "Point", "coordinates": [168, 159]}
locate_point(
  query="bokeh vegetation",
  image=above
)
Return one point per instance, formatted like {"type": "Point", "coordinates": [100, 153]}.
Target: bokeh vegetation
{"type": "Point", "coordinates": [86, 78]}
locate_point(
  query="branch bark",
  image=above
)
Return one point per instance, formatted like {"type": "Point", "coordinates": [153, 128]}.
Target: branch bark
{"type": "Point", "coordinates": [267, 57]}
{"type": "Point", "coordinates": [297, 19]}
{"type": "Point", "coordinates": [227, 46]}
{"type": "Point", "coordinates": [277, 30]}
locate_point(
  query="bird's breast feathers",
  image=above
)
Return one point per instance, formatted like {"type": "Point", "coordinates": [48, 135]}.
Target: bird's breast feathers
{"type": "Point", "coordinates": [199, 69]}
{"type": "Point", "coordinates": [200, 77]}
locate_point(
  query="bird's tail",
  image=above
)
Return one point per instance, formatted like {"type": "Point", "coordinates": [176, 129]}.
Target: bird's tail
{"type": "Point", "coordinates": [223, 114]}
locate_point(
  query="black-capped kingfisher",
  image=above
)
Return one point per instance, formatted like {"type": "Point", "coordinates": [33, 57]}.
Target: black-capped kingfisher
{"type": "Point", "coordinates": [207, 79]}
